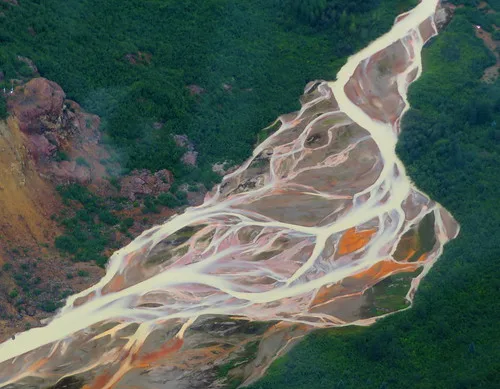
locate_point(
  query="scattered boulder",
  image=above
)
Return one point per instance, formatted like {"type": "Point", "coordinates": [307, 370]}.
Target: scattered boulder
{"type": "Point", "coordinates": [190, 158]}
{"type": "Point", "coordinates": [223, 168]}
{"type": "Point", "coordinates": [443, 17]}
{"type": "Point", "coordinates": [131, 58]}
{"type": "Point", "coordinates": [30, 64]}
{"type": "Point", "coordinates": [183, 141]}
{"type": "Point", "coordinates": [69, 172]}
{"type": "Point", "coordinates": [195, 90]}
{"type": "Point", "coordinates": [144, 183]}
{"type": "Point", "coordinates": [138, 58]}
{"type": "Point", "coordinates": [219, 168]}
{"type": "Point", "coordinates": [78, 122]}
{"type": "Point", "coordinates": [40, 147]}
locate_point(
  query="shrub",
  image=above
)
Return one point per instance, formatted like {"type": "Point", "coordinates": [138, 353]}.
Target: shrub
{"type": "Point", "coordinates": [67, 243]}
{"type": "Point", "coordinates": [61, 156]}
{"type": "Point", "coordinates": [126, 224]}
{"type": "Point", "coordinates": [82, 161]}
{"type": "Point", "coordinates": [168, 200]}
{"type": "Point", "coordinates": [49, 306]}
{"type": "Point", "coordinates": [3, 107]}
{"type": "Point", "coordinates": [7, 266]}
{"type": "Point", "coordinates": [108, 218]}
{"type": "Point", "coordinates": [149, 206]}
{"type": "Point", "coordinates": [82, 273]}
{"type": "Point", "coordinates": [13, 293]}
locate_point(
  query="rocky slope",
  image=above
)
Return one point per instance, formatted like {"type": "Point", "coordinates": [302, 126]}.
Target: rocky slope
{"type": "Point", "coordinates": [49, 141]}
{"type": "Point", "coordinates": [61, 138]}
{"type": "Point", "coordinates": [33, 275]}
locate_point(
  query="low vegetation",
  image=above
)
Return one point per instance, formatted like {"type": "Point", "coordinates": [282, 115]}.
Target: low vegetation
{"type": "Point", "coordinates": [89, 228]}
{"type": "Point", "coordinates": [93, 224]}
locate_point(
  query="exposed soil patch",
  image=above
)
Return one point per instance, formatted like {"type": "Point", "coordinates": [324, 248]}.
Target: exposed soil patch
{"type": "Point", "coordinates": [490, 73]}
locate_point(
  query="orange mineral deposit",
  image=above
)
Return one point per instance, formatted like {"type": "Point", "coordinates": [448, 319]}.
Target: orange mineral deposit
{"type": "Point", "coordinates": [353, 240]}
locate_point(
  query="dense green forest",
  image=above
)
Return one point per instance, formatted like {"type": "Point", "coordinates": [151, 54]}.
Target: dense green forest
{"type": "Point", "coordinates": [131, 61]}
{"type": "Point", "coordinates": [451, 145]}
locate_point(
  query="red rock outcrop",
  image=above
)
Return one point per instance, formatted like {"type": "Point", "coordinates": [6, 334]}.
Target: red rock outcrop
{"type": "Point", "coordinates": [195, 90]}
{"type": "Point", "coordinates": [51, 125]}
{"type": "Point", "coordinates": [190, 157]}
{"type": "Point", "coordinates": [29, 63]}
{"type": "Point", "coordinates": [37, 106]}
{"type": "Point", "coordinates": [69, 171]}
{"type": "Point", "coordinates": [138, 58]}
{"type": "Point", "coordinates": [143, 183]}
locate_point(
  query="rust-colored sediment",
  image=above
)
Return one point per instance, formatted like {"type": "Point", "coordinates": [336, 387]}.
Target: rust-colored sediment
{"type": "Point", "coordinates": [99, 382]}
{"type": "Point", "coordinates": [353, 240]}
{"type": "Point", "coordinates": [383, 269]}
{"type": "Point", "coordinates": [171, 346]}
